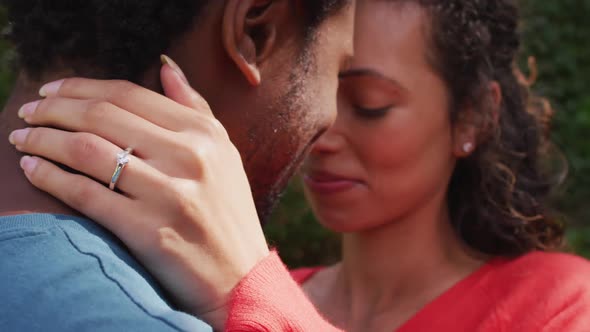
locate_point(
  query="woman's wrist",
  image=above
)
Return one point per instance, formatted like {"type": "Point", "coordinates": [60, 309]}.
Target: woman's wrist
{"type": "Point", "coordinates": [218, 316]}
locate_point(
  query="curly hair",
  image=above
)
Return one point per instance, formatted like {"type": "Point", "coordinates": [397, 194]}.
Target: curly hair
{"type": "Point", "coordinates": [118, 38]}
{"type": "Point", "coordinates": [498, 195]}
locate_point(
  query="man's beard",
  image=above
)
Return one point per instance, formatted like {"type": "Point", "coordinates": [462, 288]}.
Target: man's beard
{"type": "Point", "coordinates": [265, 205]}
{"type": "Point", "coordinates": [268, 198]}
{"type": "Point", "coordinates": [295, 102]}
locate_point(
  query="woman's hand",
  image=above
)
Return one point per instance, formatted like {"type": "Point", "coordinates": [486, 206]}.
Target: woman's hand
{"type": "Point", "coordinates": [186, 210]}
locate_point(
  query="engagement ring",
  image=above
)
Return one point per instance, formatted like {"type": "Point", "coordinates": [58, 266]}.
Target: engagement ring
{"type": "Point", "coordinates": [122, 161]}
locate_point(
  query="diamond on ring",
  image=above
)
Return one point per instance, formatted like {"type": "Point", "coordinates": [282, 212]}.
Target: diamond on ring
{"type": "Point", "coordinates": [123, 159]}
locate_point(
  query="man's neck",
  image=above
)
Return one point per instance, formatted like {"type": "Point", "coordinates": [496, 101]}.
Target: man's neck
{"type": "Point", "coordinates": [17, 195]}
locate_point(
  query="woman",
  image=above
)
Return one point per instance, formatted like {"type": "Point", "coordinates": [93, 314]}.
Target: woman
{"type": "Point", "coordinates": [432, 173]}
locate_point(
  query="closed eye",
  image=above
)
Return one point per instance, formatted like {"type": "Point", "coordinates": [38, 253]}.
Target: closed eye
{"type": "Point", "coordinates": [372, 113]}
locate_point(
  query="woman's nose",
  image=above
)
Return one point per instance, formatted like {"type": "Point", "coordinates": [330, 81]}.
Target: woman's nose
{"type": "Point", "coordinates": [331, 141]}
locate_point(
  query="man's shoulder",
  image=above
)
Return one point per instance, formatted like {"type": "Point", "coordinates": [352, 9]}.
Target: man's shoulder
{"type": "Point", "coordinates": [20, 234]}
{"type": "Point", "coordinates": [67, 273]}
{"type": "Point", "coordinates": [52, 242]}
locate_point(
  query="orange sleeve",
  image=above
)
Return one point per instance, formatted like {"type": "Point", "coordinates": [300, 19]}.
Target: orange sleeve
{"type": "Point", "coordinates": [268, 299]}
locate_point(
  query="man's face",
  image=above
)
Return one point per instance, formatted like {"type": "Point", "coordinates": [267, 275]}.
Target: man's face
{"type": "Point", "coordinates": [274, 124]}
{"type": "Point", "coordinates": [305, 108]}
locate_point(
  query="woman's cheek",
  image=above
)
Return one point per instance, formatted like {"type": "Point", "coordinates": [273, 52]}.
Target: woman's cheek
{"type": "Point", "coordinates": [406, 168]}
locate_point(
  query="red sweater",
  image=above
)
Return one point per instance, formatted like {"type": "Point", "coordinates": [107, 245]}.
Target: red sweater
{"type": "Point", "coordinates": [536, 292]}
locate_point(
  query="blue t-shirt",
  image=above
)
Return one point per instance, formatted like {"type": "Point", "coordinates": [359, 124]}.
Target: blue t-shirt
{"type": "Point", "coordinates": [62, 273]}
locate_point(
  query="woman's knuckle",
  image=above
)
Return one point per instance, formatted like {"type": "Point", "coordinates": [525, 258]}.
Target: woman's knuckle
{"type": "Point", "coordinates": [183, 206]}
{"type": "Point", "coordinates": [201, 104]}
{"type": "Point", "coordinates": [121, 90]}
{"type": "Point", "coordinates": [200, 151]}
{"type": "Point", "coordinates": [34, 137]}
{"type": "Point", "coordinates": [217, 127]}
{"type": "Point", "coordinates": [189, 152]}
{"type": "Point", "coordinates": [43, 109]}
{"type": "Point", "coordinates": [174, 198]}
{"type": "Point", "coordinates": [189, 160]}
{"type": "Point", "coordinates": [83, 147]}
{"type": "Point", "coordinates": [168, 239]}
{"type": "Point", "coordinates": [97, 111]}
{"type": "Point", "coordinates": [202, 155]}
{"type": "Point", "coordinates": [80, 195]}
{"type": "Point", "coordinates": [70, 84]}
{"type": "Point", "coordinates": [210, 126]}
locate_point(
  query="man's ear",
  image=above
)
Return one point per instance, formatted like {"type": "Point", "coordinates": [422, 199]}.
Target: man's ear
{"type": "Point", "coordinates": [249, 33]}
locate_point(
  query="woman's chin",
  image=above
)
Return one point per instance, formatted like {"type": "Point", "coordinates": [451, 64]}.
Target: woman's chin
{"type": "Point", "coordinates": [339, 220]}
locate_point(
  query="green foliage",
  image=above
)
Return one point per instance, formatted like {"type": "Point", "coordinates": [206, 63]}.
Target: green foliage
{"type": "Point", "coordinates": [556, 33]}
{"type": "Point", "coordinates": [6, 56]}
{"type": "Point", "coordinates": [297, 235]}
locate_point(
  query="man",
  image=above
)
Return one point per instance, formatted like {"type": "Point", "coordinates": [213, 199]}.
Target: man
{"type": "Point", "coordinates": [65, 273]}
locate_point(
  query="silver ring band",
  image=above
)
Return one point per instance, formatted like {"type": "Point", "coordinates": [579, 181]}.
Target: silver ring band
{"type": "Point", "coordinates": [122, 161]}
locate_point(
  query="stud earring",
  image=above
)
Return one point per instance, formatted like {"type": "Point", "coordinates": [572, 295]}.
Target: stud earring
{"type": "Point", "coordinates": [467, 147]}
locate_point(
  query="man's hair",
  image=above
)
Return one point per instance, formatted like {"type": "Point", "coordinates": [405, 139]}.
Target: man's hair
{"type": "Point", "coordinates": [119, 38]}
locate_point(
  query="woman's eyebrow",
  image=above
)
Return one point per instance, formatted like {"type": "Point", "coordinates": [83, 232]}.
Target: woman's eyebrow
{"type": "Point", "coordinates": [356, 72]}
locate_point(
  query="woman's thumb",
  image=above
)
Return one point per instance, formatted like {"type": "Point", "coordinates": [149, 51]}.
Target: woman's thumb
{"type": "Point", "coordinates": [177, 88]}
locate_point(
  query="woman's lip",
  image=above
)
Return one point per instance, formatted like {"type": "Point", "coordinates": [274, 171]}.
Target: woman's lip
{"type": "Point", "coordinates": [329, 184]}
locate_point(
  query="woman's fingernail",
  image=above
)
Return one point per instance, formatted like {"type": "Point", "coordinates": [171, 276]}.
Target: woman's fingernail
{"type": "Point", "coordinates": [28, 109]}
{"type": "Point", "coordinates": [18, 137]}
{"type": "Point", "coordinates": [167, 61]}
{"type": "Point", "coordinates": [51, 88]}
{"type": "Point", "coordinates": [28, 164]}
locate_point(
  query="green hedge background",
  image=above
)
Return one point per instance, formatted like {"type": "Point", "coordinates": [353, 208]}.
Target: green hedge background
{"type": "Point", "coordinates": [557, 33]}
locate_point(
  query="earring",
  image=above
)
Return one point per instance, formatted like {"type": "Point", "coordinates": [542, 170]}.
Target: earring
{"type": "Point", "coordinates": [468, 147]}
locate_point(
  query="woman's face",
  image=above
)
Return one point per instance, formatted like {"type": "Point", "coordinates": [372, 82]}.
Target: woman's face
{"type": "Point", "coordinates": [390, 152]}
